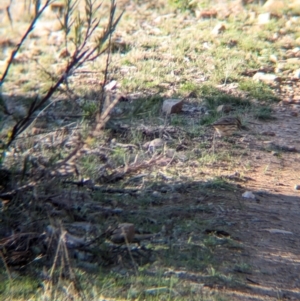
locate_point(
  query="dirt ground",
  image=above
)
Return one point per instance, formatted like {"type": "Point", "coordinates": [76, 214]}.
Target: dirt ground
{"type": "Point", "coordinates": [268, 226]}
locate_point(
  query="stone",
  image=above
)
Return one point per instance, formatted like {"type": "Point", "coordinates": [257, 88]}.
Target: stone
{"type": "Point", "coordinates": [279, 231]}
{"type": "Point", "coordinates": [172, 106]}
{"type": "Point", "coordinates": [266, 78]}
{"type": "Point", "coordinates": [274, 6]}
{"type": "Point", "coordinates": [206, 14]}
{"type": "Point", "coordinates": [218, 29]}
{"type": "Point", "coordinates": [296, 99]}
{"type": "Point", "coordinates": [160, 290]}
{"type": "Point", "coordinates": [182, 157]}
{"type": "Point", "coordinates": [294, 6]}
{"type": "Point", "coordinates": [268, 133]}
{"type": "Point", "coordinates": [263, 18]}
{"type": "Point", "coordinates": [289, 148]}
{"type": "Point", "coordinates": [273, 58]}
{"type": "Point", "coordinates": [170, 153]}
{"type": "Point", "coordinates": [248, 195]}
{"type": "Point", "coordinates": [297, 187]}
{"type": "Point", "coordinates": [58, 8]}
{"type": "Point", "coordinates": [111, 86]}
{"type": "Point", "coordinates": [156, 194]}
{"type": "Point", "coordinates": [156, 144]}
{"type": "Point", "coordinates": [64, 53]}
{"type": "Point", "coordinates": [296, 73]}
{"type": "Point", "coordinates": [224, 108]}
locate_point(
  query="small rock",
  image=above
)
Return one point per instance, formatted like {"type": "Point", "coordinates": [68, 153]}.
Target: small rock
{"type": "Point", "coordinates": [273, 58]}
{"type": "Point", "coordinates": [267, 78]}
{"type": "Point", "coordinates": [159, 290]}
{"type": "Point", "coordinates": [234, 176]}
{"type": "Point", "coordinates": [289, 148]}
{"type": "Point", "coordinates": [248, 195]}
{"type": "Point", "coordinates": [279, 231]}
{"type": "Point", "coordinates": [85, 226]}
{"type": "Point", "coordinates": [224, 108]}
{"type": "Point", "coordinates": [156, 194]}
{"type": "Point", "coordinates": [294, 7]}
{"type": "Point", "coordinates": [73, 241]}
{"type": "Point", "coordinates": [268, 133]}
{"type": "Point", "coordinates": [294, 114]}
{"type": "Point", "coordinates": [110, 86]}
{"type": "Point", "coordinates": [64, 53]}
{"type": "Point", "coordinates": [116, 111]}
{"type": "Point", "coordinates": [274, 6]}
{"type": "Point", "coordinates": [182, 157]}
{"type": "Point", "coordinates": [156, 144]}
{"type": "Point", "coordinates": [296, 73]}
{"type": "Point", "coordinates": [206, 14]}
{"type": "Point", "coordinates": [232, 43]}
{"type": "Point", "coordinates": [293, 60]}
{"type": "Point", "coordinates": [290, 54]}
{"type": "Point", "coordinates": [263, 18]}
{"type": "Point", "coordinates": [219, 28]}
{"type": "Point", "coordinates": [172, 106]}
{"type": "Point", "coordinates": [57, 8]}
{"type": "Point", "coordinates": [132, 293]}
{"type": "Point", "coordinates": [296, 100]}
{"type": "Point", "coordinates": [170, 153]}
{"type": "Point", "coordinates": [206, 45]}
{"type": "Point", "coordinates": [297, 187]}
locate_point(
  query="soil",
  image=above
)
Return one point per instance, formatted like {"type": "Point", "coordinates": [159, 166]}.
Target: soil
{"type": "Point", "coordinates": [266, 229]}
{"type": "Point", "coordinates": [268, 226]}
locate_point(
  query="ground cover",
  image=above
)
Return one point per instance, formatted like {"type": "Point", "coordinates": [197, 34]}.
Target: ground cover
{"type": "Point", "coordinates": [196, 236]}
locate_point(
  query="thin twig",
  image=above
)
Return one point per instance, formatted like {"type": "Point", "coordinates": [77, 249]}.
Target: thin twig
{"type": "Point", "coordinates": [6, 267]}
{"type": "Point", "coordinates": [15, 51]}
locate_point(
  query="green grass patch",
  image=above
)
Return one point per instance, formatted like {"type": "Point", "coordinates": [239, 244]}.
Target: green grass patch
{"type": "Point", "coordinates": [263, 113]}
{"type": "Point", "coordinates": [218, 184]}
{"type": "Point", "coordinates": [146, 107]}
{"type": "Point", "coordinates": [258, 90]}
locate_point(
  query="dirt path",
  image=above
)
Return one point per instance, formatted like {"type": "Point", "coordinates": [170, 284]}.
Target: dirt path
{"type": "Point", "coordinates": [269, 226]}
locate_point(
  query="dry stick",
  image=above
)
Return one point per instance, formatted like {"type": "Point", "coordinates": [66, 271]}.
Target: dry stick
{"type": "Point", "coordinates": [213, 144]}
{"type": "Point", "coordinates": [13, 192]}
{"type": "Point", "coordinates": [102, 98]}
{"type": "Point", "coordinates": [6, 267]}
{"type": "Point", "coordinates": [72, 274]}
{"type": "Point", "coordinates": [9, 15]}
{"type": "Point", "coordinates": [56, 256]}
{"type": "Point", "coordinates": [129, 252]}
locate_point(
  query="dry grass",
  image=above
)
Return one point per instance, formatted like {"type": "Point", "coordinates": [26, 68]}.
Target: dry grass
{"type": "Point", "coordinates": [158, 52]}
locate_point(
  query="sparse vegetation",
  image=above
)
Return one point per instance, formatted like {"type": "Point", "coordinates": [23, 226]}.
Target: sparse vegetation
{"type": "Point", "coordinates": [86, 147]}
{"type": "Point", "coordinates": [263, 113]}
